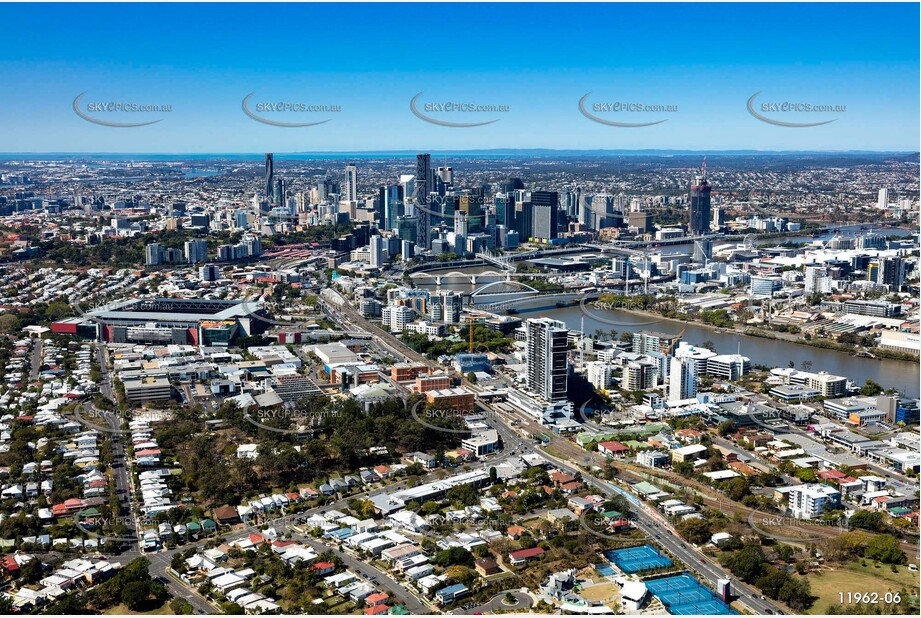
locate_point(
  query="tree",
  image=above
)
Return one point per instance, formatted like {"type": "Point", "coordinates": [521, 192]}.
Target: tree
{"type": "Point", "coordinates": [886, 549]}
{"type": "Point", "coordinates": [695, 530]}
{"type": "Point", "coordinates": [747, 564]}
{"type": "Point", "coordinates": [871, 389]}
{"type": "Point", "coordinates": [454, 556]}
{"type": "Point", "coordinates": [134, 595]}
{"type": "Point", "coordinates": [735, 488]}
{"type": "Point", "coordinates": [726, 428]}
{"type": "Point", "coordinates": [181, 606]}
{"type": "Point", "coordinates": [868, 520]}
{"type": "Point", "coordinates": [796, 593]}
{"type": "Point", "coordinates": [771, 582]}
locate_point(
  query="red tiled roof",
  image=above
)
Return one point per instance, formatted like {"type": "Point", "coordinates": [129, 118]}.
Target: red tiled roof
{"type": "Point", "coordinates": [376, 609]}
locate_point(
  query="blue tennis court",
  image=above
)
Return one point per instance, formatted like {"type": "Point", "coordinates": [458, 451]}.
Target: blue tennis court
{"type": "Point", "coordinates": [604, 569]}
{"type": "Point", "coordinates": [684, 595]}
{"type": "Point", "coordinates": [636, 559]}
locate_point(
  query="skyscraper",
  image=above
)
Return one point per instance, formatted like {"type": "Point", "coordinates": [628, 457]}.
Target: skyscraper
{"type": "Point", "coordinates": [891, 272]}
{"type": "Point", "coordinates": [537, 214]}
{"type": "Point", "coordinates": [422, 188]}
{"type": "Point", "coordinates": [196, 250]}
{"type": "Point", "coordinates": [278, 192]}
{"type": "Point", "coordinates": [700, 205]}
{"type": "Point", "coordinates": [377, 251]}
{"type": "Point", "coordinates": [390, 206]}
{"type": "Point", "coordinates": [682, 379]}
{"type": "Point", "coordinates": [269, 175]}
{"type": "Point", "coordinates": [351, 183]}
{"type": "Point", "coordinates": [547, 358]}
{"type": "Point", "coordinates": [883, 201]}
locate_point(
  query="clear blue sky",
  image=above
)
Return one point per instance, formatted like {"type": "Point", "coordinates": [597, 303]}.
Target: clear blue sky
{"type": "Point", "coordinates": [538, 59]}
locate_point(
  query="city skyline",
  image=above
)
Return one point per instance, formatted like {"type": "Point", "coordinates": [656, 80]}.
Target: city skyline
{"type": "Point", "coordinates": [204, 76]}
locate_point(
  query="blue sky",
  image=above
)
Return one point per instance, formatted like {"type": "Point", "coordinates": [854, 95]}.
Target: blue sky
{"type": "Point", "coordinates": [537, 59]}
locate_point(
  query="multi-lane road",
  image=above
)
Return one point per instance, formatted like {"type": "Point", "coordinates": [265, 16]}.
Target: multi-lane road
{"type": "Point", "coordinates": [648, 521]}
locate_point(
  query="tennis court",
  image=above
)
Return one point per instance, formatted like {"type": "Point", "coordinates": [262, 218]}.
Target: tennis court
{"type": "Point", "coordinates": [604, 569]}
{"type": "Point", "coordinates": [637, 559]}
{"type": "Point", "coordinates": [684, 595]}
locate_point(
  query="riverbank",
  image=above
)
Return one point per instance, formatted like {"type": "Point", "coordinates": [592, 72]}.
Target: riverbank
{"type": "Point", "coordinates": [749, 331]}
{"type": "Point", "coordinates": [774, 350]}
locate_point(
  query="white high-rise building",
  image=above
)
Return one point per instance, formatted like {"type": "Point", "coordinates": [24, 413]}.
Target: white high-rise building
{"type": "Point", "coordinates": [396, 317]}
{"type": "Point", "coordinates": [883, 202]}
{"type": "Point", "coordinates": [377, 251]}
{"type": "Point", "coordinates": [809, 500]}
{"type": "Point", "coordinates": [547, 358]}
{"type": "Point", "coordinates": [682, 379]}
{"type": "Point", "coordinates": [350, 193]}
{"type": "Point", "coordinates": [817, 279]}
{"type": "Point", "coordinates": [599, 374]}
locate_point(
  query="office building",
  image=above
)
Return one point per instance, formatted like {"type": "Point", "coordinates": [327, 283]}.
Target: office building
{"type": "Point", "coordinates": [422, 188]}
{"type": "Point", "coordinates": [546, 344]}
{"type": "Point", "coordinates": [700, 205]}
{"type": "Point", "coordinates": [152, 254]}
{"type": "Point", "coordinates": [269, 175]}
{"type": "Point", "coordinates": [351, 183]}
{"type": "Point", "coordinates": [376, 251]}
{"type": "Point", "coordinates": [209, 272]}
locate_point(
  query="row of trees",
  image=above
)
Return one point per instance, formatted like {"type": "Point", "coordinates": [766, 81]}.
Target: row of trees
{"type": "Point", "coordinates": [750, 565]}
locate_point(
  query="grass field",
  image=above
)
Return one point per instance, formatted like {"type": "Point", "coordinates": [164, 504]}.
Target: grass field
{"type": "Point", "coordinates": [856, 578]}
{"type": "Point", "coordinates": [607, 593]}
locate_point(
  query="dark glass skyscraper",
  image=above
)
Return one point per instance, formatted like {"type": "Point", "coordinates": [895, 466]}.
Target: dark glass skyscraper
{"type": "Point", "coordinates": [269, 175]}
{"type": "Point", "coordinates": [423, 186]}
{"type": "Point", "coordinates": [699, 205]}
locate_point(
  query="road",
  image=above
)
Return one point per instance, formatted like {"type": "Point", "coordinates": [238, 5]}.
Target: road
{"type": "Point", "coordinates": [35, 362]}
{"type": "Point", "coordinates": [648, 520]}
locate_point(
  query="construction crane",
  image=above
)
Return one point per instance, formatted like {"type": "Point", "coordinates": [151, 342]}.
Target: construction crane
{"type": "Point", "coordinates": [675, 341]}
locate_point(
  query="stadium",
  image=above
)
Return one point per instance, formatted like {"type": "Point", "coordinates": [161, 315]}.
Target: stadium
{"type": "Point", "coordinates": [168, 320]}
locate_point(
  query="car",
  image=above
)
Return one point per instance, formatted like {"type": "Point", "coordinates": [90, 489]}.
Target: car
{"type": "Point", "coordinates": [702, 561]}
{"type": "Point", "coordinates": [761, 597]}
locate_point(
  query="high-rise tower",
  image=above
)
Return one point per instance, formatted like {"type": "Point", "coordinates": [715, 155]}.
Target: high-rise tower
{"type": "Point", "coordinates": [351, 182]}
{"type": "Point", "coordinates": [423, 186]}
{"type": "Point", "coordinates": [547, 358]}
{"type": "Point", "coordinates": [700, 204]}
{"type": "Point", "coordinates": [269, 175]}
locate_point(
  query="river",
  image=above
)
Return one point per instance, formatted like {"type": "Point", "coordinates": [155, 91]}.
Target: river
{"type": "Point", "coordinates": [901, 375]}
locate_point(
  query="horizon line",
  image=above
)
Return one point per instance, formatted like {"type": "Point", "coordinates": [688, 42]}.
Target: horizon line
{"type": "Point", "coordinates": [476, 151]}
